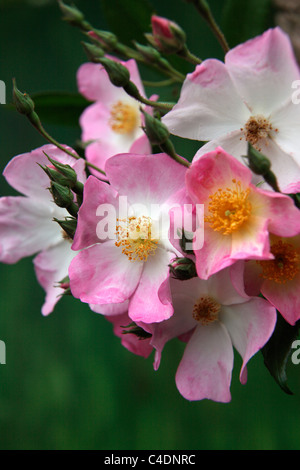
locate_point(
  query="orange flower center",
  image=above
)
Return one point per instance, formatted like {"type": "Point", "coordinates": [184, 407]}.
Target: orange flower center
{"type": "Point", "coordinates": [206, 310]}
{"type": "Point", "coordinates": [135, 238]}
{"type": "Point", "coordinates": [256, 129]}
{"type": "Point", "coordinates": [123, 118]}
{"type": "Point", "coordinates": [284, 267]}
{"type": "Point", "coordinates": [229, 209]}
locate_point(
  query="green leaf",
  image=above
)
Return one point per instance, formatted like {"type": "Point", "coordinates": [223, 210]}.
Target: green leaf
{"type": "Point", "coordinates": [59, 107]}
{"type": "Point", "coordinates": [277, 351]}
{"type": "Point", "coordinates": [128, 19]}
{"type": "Point", "coordinates": [245, 19]}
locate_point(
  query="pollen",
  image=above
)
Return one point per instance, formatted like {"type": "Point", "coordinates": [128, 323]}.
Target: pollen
{"type": "Point", "coordinates": [284, 267]}
{"type": "Point", "coordinates": [257, 129]}
{"type": "Point", "coordinates": [135, 238]}
{"type": "Point", "coordinates": [206, 310]}
{"type": "Point", "coordinates": [229, 209]}
{"type": "Point", "coordinates": [123, 118]}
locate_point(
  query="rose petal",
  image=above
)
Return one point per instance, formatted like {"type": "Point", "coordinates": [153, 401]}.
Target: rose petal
{"type": "Point", "coordinates": [151, 302]}
{"type": "Point", "coordinates": [250, 326]}
{"type": "Point", "coordinates": [102, 274]}
{"type": "Point", "coordinates": [150, 179]}
{"type": "Point", "coordinates": [99, 203]}
{"type": "Point", "coordinates": [26, 227]}
{"type": "Point", "coordinates": [263, 70]}
{"type": "Point", "coordinates": [209, 105]}
{"type": "Point", "coordinates": [206, 367]}
{"type": "Point", "coordinates": [51, 267]}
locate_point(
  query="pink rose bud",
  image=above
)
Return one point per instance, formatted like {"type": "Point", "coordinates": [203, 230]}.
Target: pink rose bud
{"type": "Point", "coordinates": [166, 36]}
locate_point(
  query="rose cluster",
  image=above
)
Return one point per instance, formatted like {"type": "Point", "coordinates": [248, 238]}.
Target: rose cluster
{"type": "Point", "coordinates": [207, 251]}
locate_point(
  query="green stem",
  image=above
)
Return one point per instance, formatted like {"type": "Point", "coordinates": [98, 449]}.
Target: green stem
{"type": "Point", "coordinates": [132, 90]}
{"type": "Point", "coordinates": [156, 104]}
{"type": "Point", "coordinates": [169, 149]}
{"type": "Point", "coordinates": [218, 33]}
{"type": "Point", "coordinates": [34, 119]}
{"type": "Point", "coordinates": [189, 56]}
{"type": "Point", "coordinates": [161, 83]}
{"type": "Point", "coordinates": [206, 13]}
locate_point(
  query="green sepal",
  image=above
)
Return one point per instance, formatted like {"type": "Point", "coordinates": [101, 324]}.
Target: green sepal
{"type": "Point", "coordinates": [71, 14]}
{"type": "Point", "coordinates": [93, 51]}
{"type": "Point", "coordinates": [132, 328]}
{"type": "Point", "coordinates": [156, 131]}
{"type": "Point", "coordinates": [118, 74]}
{"type": "Point", "coordinates": [69, 225]}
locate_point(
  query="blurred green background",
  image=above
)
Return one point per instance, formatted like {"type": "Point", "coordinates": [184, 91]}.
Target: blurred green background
{"type": "Point", "coordinates": [68, 383]}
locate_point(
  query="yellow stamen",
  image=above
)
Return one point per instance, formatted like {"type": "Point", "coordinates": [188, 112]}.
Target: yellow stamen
{"type": "Point", "coordinates": [134, 236]}
{"type": "Point", "coordinates": [229, 209]}
{"type": "Point", "coordinates": [206, 310]}
{"type": "Point", "coordinates": [284, 267]}
{"type": "Point", "coordinates": [123, 118]}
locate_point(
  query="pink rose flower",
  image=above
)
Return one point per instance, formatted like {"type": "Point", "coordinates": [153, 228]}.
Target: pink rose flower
{"type": "Point", "coordinates": [112, 124]}
{"type": "Point", "coordinates": [238, 216]}
{"type": "Point", "coordinates": [249, 98]}
{"type": "Point", "coordinates": [125, 253]}
{"type": "Point", "coordinates": [213, 317]}
{"type": "Point", "coordinates": [26, 222]}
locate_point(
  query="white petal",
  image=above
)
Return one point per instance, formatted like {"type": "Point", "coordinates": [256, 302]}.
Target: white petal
{"type": "Point", "coordinates": [209, 105]}
{"type": "Point", "coordinates": [263, 70]}
{"type": "Point", "coordinates": [51, 267]}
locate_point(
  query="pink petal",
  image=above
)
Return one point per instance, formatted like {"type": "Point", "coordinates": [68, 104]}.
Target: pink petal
{"type": "Point", "coordinates": [284, 215]}
{"type": "Point", "coordinates": [234, 144]}
{"type": "Point", "coordinates": [285, 297]}
{"type": "Point", "coordinates": [250, 272]}
{"type": "Point", "coordinates": [184, 295]}
{"type": "Point", "coordinates": [96, 193]}
{"type": "Point", "coordinates": [102, 274]}
{"type": "Point", "coordinates": [26, 227]}
{"type": "Point", "coordinates": [209, 105]}
{"type": "Point", "coordinates": [252, 240]}
{"type": "Point", "coordinates": [263, 70]}
{"type": "Point", "coordinates": [250, 326]}
{"type": "Point", "coordinates": [51, 267]}
{"type": "Point", "coordinates": [94, 84]}
{"type": "Point", "coordinates": [110, 309]}
{"type": "Point", "coordinates": [150, 179]}
{"type": "Point", "coordinates": [130, 341]}
{"type": "Point", "coordinates": [214, 255]}
{"type": "Point", "coordinates": [140, 146]}
{"type": "Point", "coordinates": [214, 170]}
{"type": "Point", "coordinates": [227, 285]}
{"type": "Point", "coordinates": [206, 367]}
{"type": "Point", "coordinates": [151, 302]}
